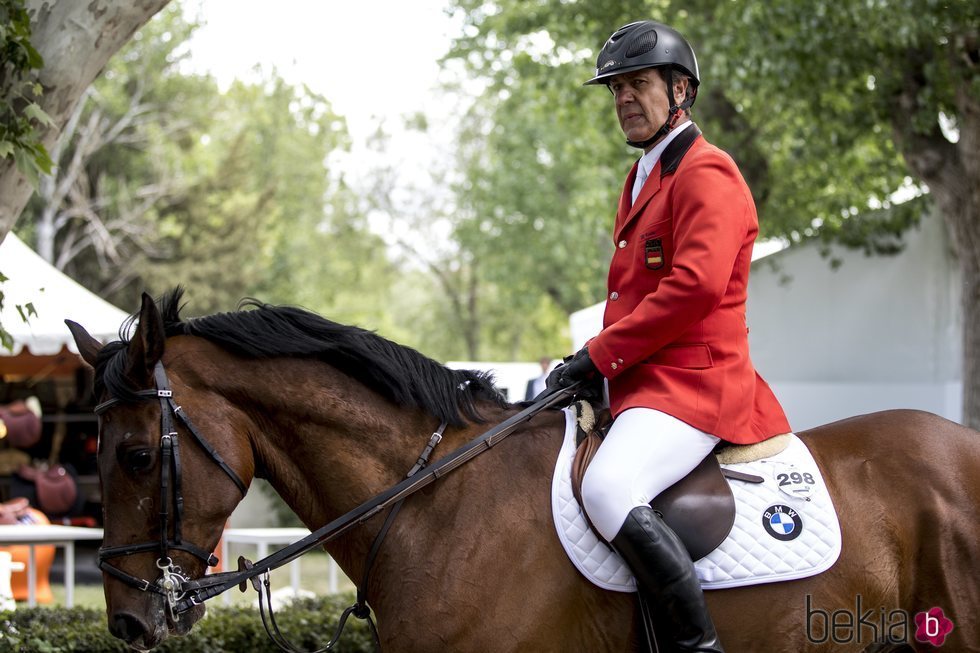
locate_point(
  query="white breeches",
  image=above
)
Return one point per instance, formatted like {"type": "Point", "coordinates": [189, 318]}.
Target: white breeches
{"type": "Point", "coordinates": [644, 453]}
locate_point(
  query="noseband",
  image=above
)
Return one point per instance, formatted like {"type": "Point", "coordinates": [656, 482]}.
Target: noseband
{"type": "Point", "coordinates": [172, 578]}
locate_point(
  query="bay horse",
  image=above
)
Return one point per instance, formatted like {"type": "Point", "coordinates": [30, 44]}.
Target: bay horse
{"type": "Point", "coordinates": [332, 415]}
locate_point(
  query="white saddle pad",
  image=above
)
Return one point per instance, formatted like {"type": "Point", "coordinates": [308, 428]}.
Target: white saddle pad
{"type": "Point", "coordinates": [785, 528]}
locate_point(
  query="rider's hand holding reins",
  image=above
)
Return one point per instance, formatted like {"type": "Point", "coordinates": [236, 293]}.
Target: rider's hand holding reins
{"type": "Point", "coordinates": [579, 368]}
{"type": "Point", "coordinates": [574, 369]}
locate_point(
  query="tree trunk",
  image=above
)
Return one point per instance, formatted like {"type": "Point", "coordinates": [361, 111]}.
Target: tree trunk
{"type": "Point", "coordinates": [957, 195]}
{"type": "Point", "coordinates": [952, 172]}
{"type": "Point", "coordinates": [76, 39]}
{"type": "Point", "coordinates": [967, 222]}
{"type": "Point", "coordinates": [971, 347]}
{"type": "Point", "coordinates": [958, 199]}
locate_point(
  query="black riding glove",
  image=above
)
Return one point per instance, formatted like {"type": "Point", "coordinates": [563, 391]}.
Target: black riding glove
{"type": "Point", "coordinates": [580, 368]}
{"type": "Point", "coordinates": [553, 382]}
{"type": "Point", "coordinates": [574, 368]}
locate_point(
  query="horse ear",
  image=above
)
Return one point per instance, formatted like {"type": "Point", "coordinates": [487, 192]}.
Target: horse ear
{"type": "Point", "coordinates": [88, 347]}
{"type": "Point", "coordinates": [146, 345]}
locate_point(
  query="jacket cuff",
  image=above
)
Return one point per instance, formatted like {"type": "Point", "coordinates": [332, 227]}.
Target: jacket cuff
{"type": "Point", "coordinates": [608, 364]}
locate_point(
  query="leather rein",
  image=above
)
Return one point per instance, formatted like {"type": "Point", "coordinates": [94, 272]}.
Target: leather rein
{"type": "Point", "coordinates": [182, 593]}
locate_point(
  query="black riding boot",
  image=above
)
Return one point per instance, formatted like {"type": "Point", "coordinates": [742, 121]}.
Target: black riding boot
{"type": "Point", "coordinates": [665, 574]}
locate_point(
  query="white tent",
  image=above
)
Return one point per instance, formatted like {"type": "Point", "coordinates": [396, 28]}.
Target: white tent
{"type": "Point", "coordinates": [55, 297]}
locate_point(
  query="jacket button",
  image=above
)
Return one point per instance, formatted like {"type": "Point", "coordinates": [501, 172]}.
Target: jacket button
{"type": "Point", "coordinates": [619, 360]}
{"type": "Point", "coordinates": [613, 365]}
{"type": "Point", "coordinates": [614, 295]}
{"type": "Point", "coordinates": [622, 244]}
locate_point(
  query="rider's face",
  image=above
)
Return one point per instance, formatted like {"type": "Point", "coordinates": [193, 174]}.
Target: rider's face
{"type": "Point", "coordinates": [641, 101]}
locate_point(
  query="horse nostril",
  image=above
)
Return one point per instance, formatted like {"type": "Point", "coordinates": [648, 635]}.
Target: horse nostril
{"type": "Point", "coordinates": [126, 627]}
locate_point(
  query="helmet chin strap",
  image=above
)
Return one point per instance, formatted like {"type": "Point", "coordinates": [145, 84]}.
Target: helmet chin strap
{"type": "Point", "coordinates": [672, 114]}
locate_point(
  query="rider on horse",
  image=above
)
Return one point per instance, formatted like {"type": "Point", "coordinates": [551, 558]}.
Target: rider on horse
{"type": "Point", "coordinates": [674, 345]}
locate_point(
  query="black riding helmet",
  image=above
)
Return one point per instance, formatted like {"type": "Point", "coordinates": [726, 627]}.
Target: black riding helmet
{"type": "Point", "coordinates": [649, 44]}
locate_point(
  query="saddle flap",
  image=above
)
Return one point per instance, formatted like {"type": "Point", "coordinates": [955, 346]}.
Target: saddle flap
{"type": "Point", "coordinates": [700, 508]}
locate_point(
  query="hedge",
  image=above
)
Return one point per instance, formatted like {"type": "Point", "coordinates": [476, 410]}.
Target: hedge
{"type": "Point", "coordinates": [307, 623]}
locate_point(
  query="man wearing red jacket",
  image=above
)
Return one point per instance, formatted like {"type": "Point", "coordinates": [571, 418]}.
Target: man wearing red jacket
{"type": "Point", "coordinates": [674, 345]}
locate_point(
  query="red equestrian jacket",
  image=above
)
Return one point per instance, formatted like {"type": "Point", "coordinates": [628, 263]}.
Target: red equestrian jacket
{"type": "Point", "coordinates": [674, 334]}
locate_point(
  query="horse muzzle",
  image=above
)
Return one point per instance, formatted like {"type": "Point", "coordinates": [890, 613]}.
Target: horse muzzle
{"type": "Point", "coordinates": [149, 630]}
{"type": "Point", "coordinates": [137, 632]}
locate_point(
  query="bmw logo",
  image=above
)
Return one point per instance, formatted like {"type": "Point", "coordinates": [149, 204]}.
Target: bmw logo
{"type": "Point", "coordinates": [782, 522]}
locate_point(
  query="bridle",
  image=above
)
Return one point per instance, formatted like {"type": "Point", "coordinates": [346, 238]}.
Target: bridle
{"type": "Point", "coordinates": [182, 593]}
{"type": "Point", "coordinates": [172, 578]}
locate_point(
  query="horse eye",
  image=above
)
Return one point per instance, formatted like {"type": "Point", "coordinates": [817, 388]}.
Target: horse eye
{"type": "Point", "coordinates": [139, 460]}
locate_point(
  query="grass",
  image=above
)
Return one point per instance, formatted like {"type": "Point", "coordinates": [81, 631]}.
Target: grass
{"type": "Point", "coordinates": [314, 570]}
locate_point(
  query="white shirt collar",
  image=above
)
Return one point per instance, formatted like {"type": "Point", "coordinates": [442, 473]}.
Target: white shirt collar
{"type": "Point", "coordinates": [646, 163]}
{"type": "Point", "coordinates": [649, 160]}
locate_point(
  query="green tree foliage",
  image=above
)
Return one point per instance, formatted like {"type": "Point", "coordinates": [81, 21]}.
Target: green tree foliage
{"type": "Point", "coordinates": [530, 180]}
{"type": "Point", "coordinates": [448, 302]}
{"type": "Point", "coordinates": [266, 217]}
{"type": "Point", "coordinates": [534, 203]}
{"type": "Point", "coordinates": [227, 192]}
{"type": "Point", "coordinates": [838, 92]}
{"type": "Point", "coordinates": [19, 110]}
{"type": "Point", "coordinates": [799, 93]}
{"type": "Point", "coordinates": [124, 156]}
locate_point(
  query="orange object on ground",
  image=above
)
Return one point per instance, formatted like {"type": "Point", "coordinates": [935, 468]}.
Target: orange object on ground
{"type": "Point", "coordinates": [43, 557]}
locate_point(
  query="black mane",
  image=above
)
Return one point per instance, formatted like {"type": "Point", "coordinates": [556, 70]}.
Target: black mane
{"type": "Point", "coordinates": [257, 330]}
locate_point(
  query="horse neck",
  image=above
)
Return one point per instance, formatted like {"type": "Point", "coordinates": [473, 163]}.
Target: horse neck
{"type": "Point", "coordinates": [327, 444]}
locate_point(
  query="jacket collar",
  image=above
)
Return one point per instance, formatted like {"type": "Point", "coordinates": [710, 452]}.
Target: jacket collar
{"type": "Point", "coordinates": [671, 158]}
{"type": "Point", "coordinates": [667, 164]}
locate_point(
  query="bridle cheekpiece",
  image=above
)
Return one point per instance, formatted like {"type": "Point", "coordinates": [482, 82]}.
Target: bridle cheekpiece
{"type": "Point", "coordinates": [172, 579]}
